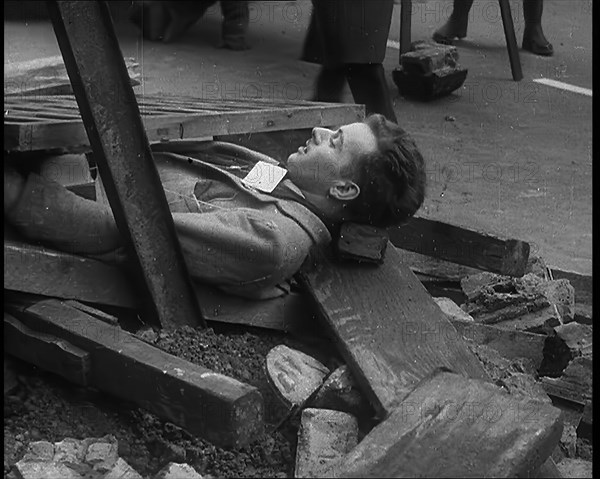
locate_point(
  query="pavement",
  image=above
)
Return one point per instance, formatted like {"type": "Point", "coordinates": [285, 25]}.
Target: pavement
{"type": "Point", "coordinates": [504, 157]}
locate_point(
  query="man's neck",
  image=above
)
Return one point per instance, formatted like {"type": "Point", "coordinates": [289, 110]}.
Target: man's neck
{"type": "Point", "coordinates": [330, 212]}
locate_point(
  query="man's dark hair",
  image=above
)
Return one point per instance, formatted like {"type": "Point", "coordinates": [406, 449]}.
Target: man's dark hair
{"type": "Point", "coordinates": [391, 180]}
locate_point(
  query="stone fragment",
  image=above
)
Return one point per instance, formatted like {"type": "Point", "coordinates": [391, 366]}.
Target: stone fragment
{"type": "Point", "coordinates": [325, 436]}
{"type": "Point", "coordinates": [174, 470]}
{"type": "Point", "coordinates": [69, 450]}
{"type": "Point", "coordinates": [45, 470]}
{"type": "Point", "coordinates": [575, 468]}
{"type": "Point", "coordinates": [294, 374]}
{"type": "Point", "coordinates": [102, 454]}
{"type": "Point", "coordinates": [568, 440]}
{"type": "Point", "coordinates": [584, 428]}
{"type": "Point", "coordinates": [340, 393]}
{"type": "Point", "coordinates": [122, 470]}
{"type": "Point", "coordinates": [39, 451]}
{"type": "Point", "coordinates": [453, 310]}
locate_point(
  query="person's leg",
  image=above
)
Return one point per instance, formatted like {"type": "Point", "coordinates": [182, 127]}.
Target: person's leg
{"type": "Point", "coordinates": [533, 35]}
{"type": "Point", "coordinates": [369, 86]}
{"type": "Point", "coordinates": [456, 26]}
{"type": "Point", "coordinates": [236, 17]}
{"type": "Point", "coordinates": [330, 84]}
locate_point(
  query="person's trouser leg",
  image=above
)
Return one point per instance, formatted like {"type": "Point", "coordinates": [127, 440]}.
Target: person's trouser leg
{"type": "Point", "coordinates": [456, 26]}
{"type": "Point", "coordinates": [369, 86]}
{"type": "Point", "coordinates": [534, 39]}
{"type": "Point", "coordinates": [330, 84]}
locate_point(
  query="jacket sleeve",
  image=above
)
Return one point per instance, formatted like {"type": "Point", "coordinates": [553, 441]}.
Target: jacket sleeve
{"type": "Point", "coordinates": [241, 247]}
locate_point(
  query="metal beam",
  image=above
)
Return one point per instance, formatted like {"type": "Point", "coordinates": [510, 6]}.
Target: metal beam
{"type": "Point", "coordinates": [112, 120]}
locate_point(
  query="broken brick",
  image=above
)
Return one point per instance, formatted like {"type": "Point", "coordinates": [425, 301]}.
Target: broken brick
{"type": "Point", "coordinates": [325, 436]}
{"type": "Point", "coordinates": [340, 393]}
{"type": "Point", "coordinates": [102, 454]}
{"type": "Point", "coordinates": [69, 450]}
{"type": "Point", "coordinates": [45, 470]}
{"type": "Point", "coordinates": [294, 374]}
{"type": "Point", "coordinates": [174, 470]}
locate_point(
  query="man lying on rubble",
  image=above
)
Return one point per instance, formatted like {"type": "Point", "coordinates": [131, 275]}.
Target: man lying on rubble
{"type": "Point", "coordinates": [245, 241]}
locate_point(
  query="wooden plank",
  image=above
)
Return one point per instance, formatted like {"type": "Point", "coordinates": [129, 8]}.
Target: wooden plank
{"type": "Point", "coordinates": [451, 426]}
{"type": "Point", "coordinates": [48, 272]}
{"type": "Point", "coordinates": [48, 352]}
{"type": "Point", "coordinates": [389, 329]}
{"type": "Point", "coordinates": [218, 408]}
{"type": "Point", "coordinates": [39, 270]}
{"type": "Point", "coordinates": [71, 134]}
{"type": "Point", "coordinates": [463, 246]}
{"type": "Point", "coordinates": [511, 344]}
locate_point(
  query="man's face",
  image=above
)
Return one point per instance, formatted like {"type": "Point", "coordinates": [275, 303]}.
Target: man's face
{"type": "Point", "coordinates": [329, 156]}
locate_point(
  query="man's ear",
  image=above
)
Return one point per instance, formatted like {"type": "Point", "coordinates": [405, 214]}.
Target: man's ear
{"type": "Point", "coordinates": [344, 190]}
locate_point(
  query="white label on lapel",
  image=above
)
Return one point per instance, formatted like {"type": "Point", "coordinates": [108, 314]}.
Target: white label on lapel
{"type": "Point", "coordinates": [264, 176]}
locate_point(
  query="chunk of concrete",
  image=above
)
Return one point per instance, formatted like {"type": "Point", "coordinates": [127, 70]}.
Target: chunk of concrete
{"type": "Point", "coordinates": [325, 437]}
{"type": "Point", "coordinates": [122, 470]}
{"type": "Point", "coordinates": [453, 310]}
{"type": "Point", "coordinates": [39, 451]}
{"type": "Point", "coordinates": [294, 374]}
{"type": "Point", "coordinates": [102, 453]}
{"type": "Point", "coordinates": [45, 470]}
{"type": "Point", "coordinates": [340, 393]}
{"type": "Point", "coordinates": [174, 470]}
{"type": "Point", "coordinates": [575, 468]}
{"type": "Point", "coordinates": [69, 450]}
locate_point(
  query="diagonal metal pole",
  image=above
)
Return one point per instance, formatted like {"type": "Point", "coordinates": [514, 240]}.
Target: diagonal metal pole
{"type": "Point", "coordinates": [112, 120]}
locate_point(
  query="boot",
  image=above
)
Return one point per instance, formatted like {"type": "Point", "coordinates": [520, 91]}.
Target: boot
{"type": "Point", "coordinates": [456, 26]}
{"type": "Point", "coordinates": [533, 35]}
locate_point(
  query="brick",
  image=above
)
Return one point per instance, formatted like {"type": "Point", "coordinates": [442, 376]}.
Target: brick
{"type": "Point", "coordinates": [39, 451]}
{"type": "Point", "coordinates": [122, 470]}
{"type": "Point", "coordinates": [45, 470]}
{"type": "Point", "coordinates": [575, 468]}
{"type": "Point", "coordinates": [427, 58]}
{"type": "Point", "coordinates": [294, 375]}
{"type": "Point", "coordinates": [453, 310]}
{"type": "Point", "coordinates": [174, 470]}
{"type": "Point", "coordinates": [325, 437]}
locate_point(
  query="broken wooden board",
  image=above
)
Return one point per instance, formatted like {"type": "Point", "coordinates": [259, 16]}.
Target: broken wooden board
{"type": "Point", "coordinates": [39, 270]}
{"type": "Point", "coordinates": [56, 355]}
{"type": "Point", "coordinates": [388, 328]}
{"type": "Point", "coordinates": [49, 272]}
{"type": "Point", "coordinates": [510, 344]}
{"type": "Point", "coordinates": [218, 408]}
{"type": "Point", "coordinates": [361, 243]}
{"type": "Point", "coordinates": [48, 76]}
{"type": "Point", "coordinates": [575, 384]}
{"type": "Point", "coordinates": [463, 246]}
{"type": "Point", "coordinates": [451, 426]}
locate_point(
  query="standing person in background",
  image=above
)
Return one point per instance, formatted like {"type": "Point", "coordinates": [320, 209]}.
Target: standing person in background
{"type": "Point", "coordinates": [534, 39]}
{"type": "Point", "coordinates": [349, 39]}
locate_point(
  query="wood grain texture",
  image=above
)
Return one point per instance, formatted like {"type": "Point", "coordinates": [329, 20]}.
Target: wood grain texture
{"type": "Point", "coordinates": [46, 351]}
{"type": "Point", "coordinates": [452, 426]}
{"type": "Point", "coordinates": [39, 270]}
{"type": "Point", "coordinates": [388, 328]}
{"type": "Point", "coordinates": [213, 406]}
{"type": "Point", "coordinates": [167, 119]}
{"type": "Point", "coordinates": [463, 246]}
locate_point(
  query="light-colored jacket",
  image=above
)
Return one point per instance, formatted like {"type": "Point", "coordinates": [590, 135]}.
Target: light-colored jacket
{"type": "Point", "coordinates": [232, 236]}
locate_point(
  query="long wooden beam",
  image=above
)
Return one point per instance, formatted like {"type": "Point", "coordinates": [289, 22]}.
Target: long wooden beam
{"type": "Point", "coordinates": [216, 407]}
{"type": "Point", "coordinates": [111, 117]}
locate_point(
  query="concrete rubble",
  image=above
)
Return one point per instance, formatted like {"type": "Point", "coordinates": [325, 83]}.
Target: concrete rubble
{"type": "Point", "coordinates": [325, 436]}
{"type": "Point", "coordinates": [91, 458]}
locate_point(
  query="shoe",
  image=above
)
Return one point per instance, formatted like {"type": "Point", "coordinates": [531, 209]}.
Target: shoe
{"type": "Point", "coordinates": [449, 32]}
{"type": "Point", "coordinates": [543, 49]}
